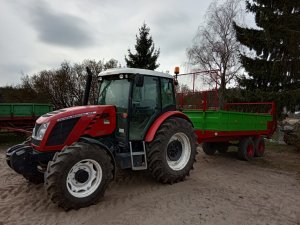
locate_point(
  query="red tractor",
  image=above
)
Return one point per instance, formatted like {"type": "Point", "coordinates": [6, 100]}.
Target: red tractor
{"type": "Point", "coordinates": [76, 151]}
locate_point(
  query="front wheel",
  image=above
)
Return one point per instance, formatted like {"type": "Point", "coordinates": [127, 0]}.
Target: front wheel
{"type": "Point", "coordinates": [78, 175]}
{"type": "Point", "coordinates": [172, 153]}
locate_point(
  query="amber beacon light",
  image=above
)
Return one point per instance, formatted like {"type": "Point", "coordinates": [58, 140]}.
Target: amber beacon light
{"type": "Point", "coordinates": [176, 70]}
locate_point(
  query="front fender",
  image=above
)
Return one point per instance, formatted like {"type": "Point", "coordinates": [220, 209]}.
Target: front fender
{"type": "Point", "coordinates": [154, 127]}
{"type": "Point", "coordinates": [107, 145]}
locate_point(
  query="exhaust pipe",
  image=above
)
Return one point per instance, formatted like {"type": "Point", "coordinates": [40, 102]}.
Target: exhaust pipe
{"type": "Point", "coordinates": [87, 86]}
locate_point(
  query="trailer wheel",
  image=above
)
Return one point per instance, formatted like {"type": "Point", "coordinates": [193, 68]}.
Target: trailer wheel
{"type": "Point", "coordinates": [209, 148]}
{"type": "Point", "coordinates": [246, 149]}
{"type": "Point", "coordinates": [78, 175]}
{"type": "Point", "coordinates": [172, 153]}
{"type": "Point", "coordinates": [222, 147]}
{"type": "Point", "coordinates": [259, 144]}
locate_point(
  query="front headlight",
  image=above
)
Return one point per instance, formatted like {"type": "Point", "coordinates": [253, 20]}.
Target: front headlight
{"type": "Point", "coordinates": [41, 131]}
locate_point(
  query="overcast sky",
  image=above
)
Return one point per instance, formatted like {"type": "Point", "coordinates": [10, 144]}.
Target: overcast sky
{"type": "Point", "coordinates": [37, 34]}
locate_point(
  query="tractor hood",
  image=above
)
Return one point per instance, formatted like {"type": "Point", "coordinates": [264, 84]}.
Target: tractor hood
{"type": "Point", "coordinates": [59, 128]}
{"type": "Point", "coordinates": [72, 112]}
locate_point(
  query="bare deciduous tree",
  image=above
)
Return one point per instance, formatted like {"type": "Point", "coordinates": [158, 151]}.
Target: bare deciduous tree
{"type": "Point", "coordinates": [215, 46]}
{"type": "Point", "coordinates": [64, 86]}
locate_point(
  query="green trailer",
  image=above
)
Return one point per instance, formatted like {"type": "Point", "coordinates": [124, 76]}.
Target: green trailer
{"type": "Point", "coordinates": [218, 125]}
{"type": "Point", "coordinates": [21, 117]}
{"type": "Point", "coordinates": [242, 124]}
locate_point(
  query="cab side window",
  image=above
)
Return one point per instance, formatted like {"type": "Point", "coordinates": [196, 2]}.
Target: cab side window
{"type": "Point", "coordinates": [167, 92]}
{"type": "Point", "coordinates": [145, 106]}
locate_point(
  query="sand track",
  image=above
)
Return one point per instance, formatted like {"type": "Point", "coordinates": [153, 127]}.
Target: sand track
{"type": "Point", "coordinates": [220, 190]}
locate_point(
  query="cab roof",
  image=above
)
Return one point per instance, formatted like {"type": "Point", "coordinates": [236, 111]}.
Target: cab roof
{"type": "Point", "coordinates": [134, 71]}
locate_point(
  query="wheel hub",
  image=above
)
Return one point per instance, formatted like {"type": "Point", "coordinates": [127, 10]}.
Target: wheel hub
{"type": "Point", "coordinates": [250, 150]}
{"type": "Point", "coordinates": [178, 151]}
{"type": "Point", "coordinates": [174, 150]}
{"type": "Point", "coordinates": [84, 178]}
{"type": "Point", "coordinates": [81, 176]}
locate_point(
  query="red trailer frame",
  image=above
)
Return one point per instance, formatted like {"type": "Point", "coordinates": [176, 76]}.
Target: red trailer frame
{"type": "Point", "coordinates": [18, 124]}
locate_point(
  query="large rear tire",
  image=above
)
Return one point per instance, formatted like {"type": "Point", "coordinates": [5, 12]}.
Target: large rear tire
{"type": "Point", "coordinates": [172, 153]}
{"type": "Point", "coordinates": [78, 175]}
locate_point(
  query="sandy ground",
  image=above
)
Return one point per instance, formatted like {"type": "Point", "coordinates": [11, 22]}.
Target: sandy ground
{"type": "Point", "coordinates": [220, 190]}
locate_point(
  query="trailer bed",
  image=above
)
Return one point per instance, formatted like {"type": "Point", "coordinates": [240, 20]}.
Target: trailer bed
{"type": "Point", "coordinates": [222, 120]}
{"type": "Point", "coordinates": [224, 125]}
{"type": "Point", "coordinates": [21, 117]}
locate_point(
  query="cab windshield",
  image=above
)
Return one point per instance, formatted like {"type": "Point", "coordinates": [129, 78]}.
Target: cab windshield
{"type": "Point", "coordinates": [114, 92]}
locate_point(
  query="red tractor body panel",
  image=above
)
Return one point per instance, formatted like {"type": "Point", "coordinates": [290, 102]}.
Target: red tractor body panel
{"type": "Point", "coordinates": [93, 121]}
{"type": "Point", "coordinates": [154, 127]}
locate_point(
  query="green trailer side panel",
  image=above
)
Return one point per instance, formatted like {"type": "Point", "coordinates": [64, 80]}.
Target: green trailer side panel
{"type": "Point", "coordinates": [40, 109]}
{"type": "Point", "coordinates": [5, 110]}
{"type": "Point", "coordinates": [227, 120]}
{"type": "Point", "coordinates": [23, 109]}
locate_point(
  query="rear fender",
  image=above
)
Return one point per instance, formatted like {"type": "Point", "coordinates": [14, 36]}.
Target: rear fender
{"type": "Point", "coordinates": [110, 150]}
{"type": "Point", "coordinates": [155, 126]}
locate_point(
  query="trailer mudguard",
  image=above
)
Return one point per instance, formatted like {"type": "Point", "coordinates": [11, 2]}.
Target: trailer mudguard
{"type": "Point", "coordinates": [154, 127]}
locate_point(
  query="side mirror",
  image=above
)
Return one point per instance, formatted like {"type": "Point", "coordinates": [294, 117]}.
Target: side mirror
{"type": "Point", "coordinates": [139, 80]}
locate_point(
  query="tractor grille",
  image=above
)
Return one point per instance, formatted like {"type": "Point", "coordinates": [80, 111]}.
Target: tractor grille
{"type": "Point", "coordinates": [61, 131]}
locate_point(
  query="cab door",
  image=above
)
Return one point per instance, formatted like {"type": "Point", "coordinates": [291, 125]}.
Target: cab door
{"type": "Point", "coordinates": [145, 106]}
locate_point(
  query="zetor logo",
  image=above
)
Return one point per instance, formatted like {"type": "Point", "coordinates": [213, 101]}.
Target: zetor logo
{"type": "Point", "coordinates": [75, 116]}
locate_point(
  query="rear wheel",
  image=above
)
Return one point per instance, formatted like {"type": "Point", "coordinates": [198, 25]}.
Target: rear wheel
{"type": "Point", "coordinates": [259, 144]}
{"type": "Point", "coordinates": [222, 147]}
{"type": "Point", "coordinates": [172, 153]}
{"type": "Point", "coordinates": [78, 175]}
{"type": "Point", "coordinates": [209, 148]}
{"type": "Point", "coordinates": [246, 149]}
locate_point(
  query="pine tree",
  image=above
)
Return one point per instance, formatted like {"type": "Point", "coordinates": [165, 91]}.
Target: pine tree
{"type": "Point", "coordinates": [146, 55]}
{"type": "Point", "coordinates": [275, 68]}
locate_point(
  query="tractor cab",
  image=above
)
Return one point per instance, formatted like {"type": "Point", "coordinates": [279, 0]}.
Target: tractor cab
{"type": "Point", "coordinates": [140, 96]}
